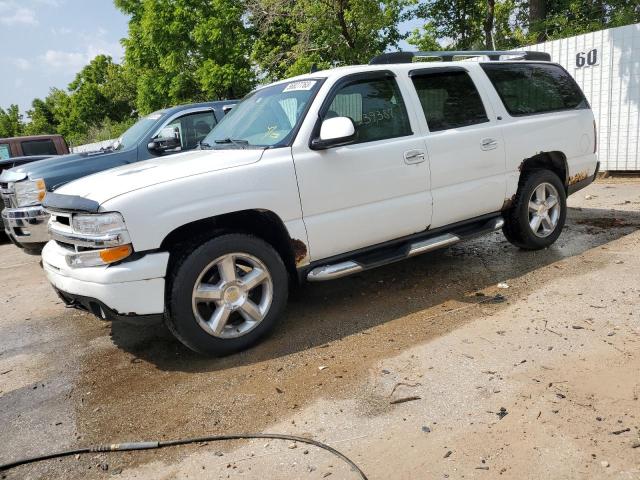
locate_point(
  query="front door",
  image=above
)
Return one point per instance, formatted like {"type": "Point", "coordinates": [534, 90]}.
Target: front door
{"type": "Point", "coordinates": [373, 190]}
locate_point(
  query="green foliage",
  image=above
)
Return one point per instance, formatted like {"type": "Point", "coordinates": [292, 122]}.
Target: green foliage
{"type": "Point", "coordinates": [180, 51]}
{"type": "Point", "coordinates": [187, 50]}
{"type": "Point", "coordinates": [293, 35]}
{"type": "Point", "coordinates": [459, 24]}
{"type": "Point", "coordinates": [565, 18]}
{"type": "Point", "coordinates": [11, 124]}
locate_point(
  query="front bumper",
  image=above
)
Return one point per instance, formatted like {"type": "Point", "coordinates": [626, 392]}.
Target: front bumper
{"type": "Point", "coordinates": [26, 226]}
{"type": "Point", "coordinates": [129, 289]}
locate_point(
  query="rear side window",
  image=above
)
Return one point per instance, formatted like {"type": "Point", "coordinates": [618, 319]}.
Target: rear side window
{"type": "Point", "coordinates": [5, 151]}
{"type": "Point", "coordinates": [449, 100]}
{"type": "Point", "coordinates": [526, 89]}
{"type": "Point", "coordinates": [375, 106]}
{"type": "Point", "coordinates": [39, 147]}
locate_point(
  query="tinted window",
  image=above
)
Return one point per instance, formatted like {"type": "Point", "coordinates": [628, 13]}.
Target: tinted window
{"type": "Point", "coordinates": [194, 128]}
{"type": "Point", "coordinates": [5, 151]}
{"type": "Point", "coordinates": [534, 88]}
{"type": "Point", "coordinates": [39, 147]}
{"type": "Point", "coordinates": [376, 108]}
{"type": "Point", "coordinates": [449, 100]}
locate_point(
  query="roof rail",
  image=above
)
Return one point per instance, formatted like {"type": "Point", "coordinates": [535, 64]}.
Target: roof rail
{"type": "Point", "coordinates": [448, 56]}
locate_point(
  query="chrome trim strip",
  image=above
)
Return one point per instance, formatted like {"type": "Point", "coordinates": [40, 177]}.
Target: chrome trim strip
{"type": "Point", "coordinates": [90, 241]}
{"type": "Point", "coordinates": [432, 244]}
{"type": "Point", "coordinates": [497, 223]}
{"type": "Point", "coordinates": [331, 272]}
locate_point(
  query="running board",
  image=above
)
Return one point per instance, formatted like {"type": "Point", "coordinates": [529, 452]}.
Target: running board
{"type": "Point", "coordinates": [396, 253]}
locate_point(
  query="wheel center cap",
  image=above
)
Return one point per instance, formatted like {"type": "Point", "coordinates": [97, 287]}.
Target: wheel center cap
{"type": "Point", "coordinates": [233, 295]}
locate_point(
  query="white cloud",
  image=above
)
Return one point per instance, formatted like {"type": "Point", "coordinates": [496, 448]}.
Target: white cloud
{"type": "Point", "coordinates": [21, 63]}
{"type": "Point", "coordinates": [49, 3]}
{"type": "Point", "coordinates": [57, 31]}
{"type": "Point", "coordinates": [10, 16]}
{"type": "Point", "coordinates": [59, 59]}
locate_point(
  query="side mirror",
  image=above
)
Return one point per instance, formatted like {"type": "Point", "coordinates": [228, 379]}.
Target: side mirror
{"type": "Point", "coordinates": [335, 132]}
{"type": "Point", "coordinates": [167, 139]}
{"type": "Point", "coordinates": [227, 108]}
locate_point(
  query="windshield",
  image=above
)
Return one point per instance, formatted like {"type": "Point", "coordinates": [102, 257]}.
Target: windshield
{"type": "Point", "coordinates": [266, 118]}
{"type": "Point", "coordinates": [131, 137]}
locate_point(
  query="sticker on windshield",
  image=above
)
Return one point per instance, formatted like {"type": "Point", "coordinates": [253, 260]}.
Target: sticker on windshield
{"type": "Point", "coordinates": [302, 85]}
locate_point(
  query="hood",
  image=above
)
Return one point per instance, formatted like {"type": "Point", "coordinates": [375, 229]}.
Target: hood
{"type": "Point", "coordinates": [63, 168]}
{"type": "Point", "coordinates": [106, 185]}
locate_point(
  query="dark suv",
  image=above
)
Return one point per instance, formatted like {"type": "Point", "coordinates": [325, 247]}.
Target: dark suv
{"type": "Point", "coordinates": [164, 132]}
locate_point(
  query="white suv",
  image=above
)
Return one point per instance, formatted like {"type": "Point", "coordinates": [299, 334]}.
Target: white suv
{"type": "Point", "coordinates": [318, 177]}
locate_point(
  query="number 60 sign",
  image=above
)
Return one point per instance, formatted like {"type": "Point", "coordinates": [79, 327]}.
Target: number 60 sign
{"type": "Point", "coordinates": [589, 59]}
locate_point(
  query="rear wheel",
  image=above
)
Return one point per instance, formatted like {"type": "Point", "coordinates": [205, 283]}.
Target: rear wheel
{"type": "Point", "coordinates": [226, 294]}
{"type": "Point", "coordinates": [538, 213]}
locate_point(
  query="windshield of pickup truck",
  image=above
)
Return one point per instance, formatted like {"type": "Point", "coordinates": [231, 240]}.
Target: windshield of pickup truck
{"type": "Point", "coordinates": [131, 137]}
{"type": "Point", "coordinates": [268, 117]}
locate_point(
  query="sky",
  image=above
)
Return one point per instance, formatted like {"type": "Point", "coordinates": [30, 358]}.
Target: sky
{"type": "Point", "coordinates": [44, 43]}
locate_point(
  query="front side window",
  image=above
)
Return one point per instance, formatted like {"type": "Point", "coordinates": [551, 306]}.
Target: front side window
{"type": "Point", "coordinates": [530, 88]}
{"type": "Point", "coordinates": [449, 100]}
{"type": "Point", "coordinates": [38, 147]}
{"type": "Point", "coordinates": [5, 151]}
{"type": "Point", "coordinates": [268, 117]}
{"type": "Point", "coordinates": [133, 135]}
{"type": "Point", "coordinates": [193, 128]}
{"type": "Point", "coordinates": [375, 106]}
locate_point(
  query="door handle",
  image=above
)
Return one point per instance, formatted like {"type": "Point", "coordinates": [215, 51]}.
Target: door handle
{"type": "Point", "coordinates": [413, 156]}
{"type": "Point", "coordinates": [488, 144]}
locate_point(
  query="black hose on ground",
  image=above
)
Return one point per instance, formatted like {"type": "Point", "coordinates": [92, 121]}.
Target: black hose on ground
{"type": "Point", "coordinates": [124, 447]}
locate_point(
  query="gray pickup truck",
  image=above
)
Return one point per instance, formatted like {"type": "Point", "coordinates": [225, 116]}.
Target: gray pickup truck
{"type": "Point", "coordinates": [164, 132]}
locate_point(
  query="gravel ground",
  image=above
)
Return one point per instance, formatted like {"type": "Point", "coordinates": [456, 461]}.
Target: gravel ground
{"type": "Point", "coordinates": [541, 382]}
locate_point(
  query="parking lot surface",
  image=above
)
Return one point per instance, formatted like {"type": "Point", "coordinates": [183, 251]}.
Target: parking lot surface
{"type": "Point", "coordinates": [478, 361]}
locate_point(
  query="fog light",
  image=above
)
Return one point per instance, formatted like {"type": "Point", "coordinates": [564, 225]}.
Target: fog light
{"type": "Point", "coordinates": [96, 258]}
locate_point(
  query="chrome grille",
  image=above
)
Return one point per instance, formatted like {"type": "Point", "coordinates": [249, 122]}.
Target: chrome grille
{"type": "Point", "coordinates": [8, 195]}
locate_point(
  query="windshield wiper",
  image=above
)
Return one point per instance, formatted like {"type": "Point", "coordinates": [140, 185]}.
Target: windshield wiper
{"type": "Point", "coordinates": [236, 141]}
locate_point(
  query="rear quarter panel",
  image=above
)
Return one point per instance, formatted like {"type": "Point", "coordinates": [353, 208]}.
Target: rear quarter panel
{"type": "Point", "coordinates": [568, 131]}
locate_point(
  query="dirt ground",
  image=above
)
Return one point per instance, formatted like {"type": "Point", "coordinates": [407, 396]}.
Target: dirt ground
{"type": "Point", "coordinates": [542, 381]}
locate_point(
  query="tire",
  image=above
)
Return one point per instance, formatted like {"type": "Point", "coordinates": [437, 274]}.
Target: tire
{"type": "Point", "coordinates": [224, 315]}
{"type": "Point", "coordinates": [520, 219]}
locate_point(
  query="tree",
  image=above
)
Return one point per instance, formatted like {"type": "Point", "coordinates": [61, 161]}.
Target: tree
{"type": "Point", "coordinates": [187, 50]}
{"type": "Point", "coordinates": [294, 35]}
{"type": "Point", "coordinates": [42, 119]}
{"type": "Point", "coordinates": [460, 22]}
{"type": "Point", "coordinates": [11, 124]}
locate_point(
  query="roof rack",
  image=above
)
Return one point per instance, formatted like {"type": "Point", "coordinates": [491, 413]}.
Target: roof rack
{"type": "Point", "coordinates": [448, 56]}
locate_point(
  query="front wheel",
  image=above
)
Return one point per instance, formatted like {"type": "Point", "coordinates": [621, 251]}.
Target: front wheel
{"type": "Point", "coordinates": [537, 216]}
{"type": "Point", "coordinates": [226, 294]}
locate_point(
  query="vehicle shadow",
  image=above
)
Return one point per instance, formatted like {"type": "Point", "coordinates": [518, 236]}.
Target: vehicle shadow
{"type": "Point", "coordinates": [318, 314]}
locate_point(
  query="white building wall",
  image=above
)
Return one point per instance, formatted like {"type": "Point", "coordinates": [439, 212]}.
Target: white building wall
{"type": "Point", "coordinates": [612, 85]}
{"type": "Point", "coordinates": [92, 147]}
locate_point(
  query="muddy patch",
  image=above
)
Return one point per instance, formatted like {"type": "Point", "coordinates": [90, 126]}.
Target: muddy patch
{"type": "Point", "coordinates": [606, 222]}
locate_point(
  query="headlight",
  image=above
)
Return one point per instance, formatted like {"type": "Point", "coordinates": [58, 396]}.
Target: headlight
{"type": "Point", "coordinates": [29, 192]}
{"type": "Point", "coordinates": [103, 237]}
{"type": "Point", "coordinates": [98, 224]}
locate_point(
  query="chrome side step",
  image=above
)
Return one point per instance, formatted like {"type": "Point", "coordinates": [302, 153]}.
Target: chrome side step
{"type": "Point", "coordinates": [337, 270]}
{"type": "Point", "coordinates": [342, 269]}
{"type": "Point", "coordinates": [349, 267]}
{"type": "Point", "coordinates": [434, 243]}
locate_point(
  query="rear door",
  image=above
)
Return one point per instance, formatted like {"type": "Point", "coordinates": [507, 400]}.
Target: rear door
{"type": "Point", "coordinates": [464, 142]}
{"type": "Point", "coordinates": [373, 190]}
